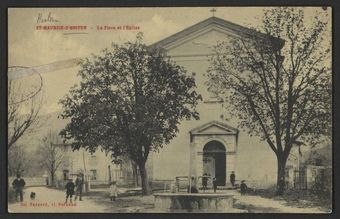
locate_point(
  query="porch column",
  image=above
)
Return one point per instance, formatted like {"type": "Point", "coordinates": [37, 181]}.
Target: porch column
{"type": "Point", "coordinates": [193, 160]}
{"type": "Point", "coordinates": [199, 167]}
{"type": "Point", "coordinates": [231, 164]}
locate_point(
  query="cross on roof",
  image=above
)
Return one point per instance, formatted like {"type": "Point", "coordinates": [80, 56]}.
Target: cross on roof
{"type": "Point", "coordinates": [213, 10]}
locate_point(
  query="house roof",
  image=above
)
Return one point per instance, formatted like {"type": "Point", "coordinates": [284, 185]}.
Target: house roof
{"type": "Point", "coordinates": [241, 30]}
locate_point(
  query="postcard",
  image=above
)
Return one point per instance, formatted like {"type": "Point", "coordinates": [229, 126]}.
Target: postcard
{"type": "Point", "coordinates": [170, 110]}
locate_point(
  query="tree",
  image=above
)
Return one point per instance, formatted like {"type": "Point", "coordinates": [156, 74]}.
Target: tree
{"type": "Point", "coordinates": [128, 165]}
{"type": "Point", "coordinates": [130, 101]}
{"type": "Point", "coordinates": [278, 83]}
{"type": "Point", "coordinates": [52, 153]}
{"type": "Point", "coordinates": [18, 160]}
{"type": "Point", "coordinates": [23, 108]}
{"type": "Point", "coordinates": [134, 173]}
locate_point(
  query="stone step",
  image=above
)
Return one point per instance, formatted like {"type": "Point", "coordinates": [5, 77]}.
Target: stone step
{"type": "Point", "coordinates": [220, 188]}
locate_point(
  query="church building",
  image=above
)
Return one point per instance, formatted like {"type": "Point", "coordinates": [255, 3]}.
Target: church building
{"type": "Point", "coordinates": [212, 145]}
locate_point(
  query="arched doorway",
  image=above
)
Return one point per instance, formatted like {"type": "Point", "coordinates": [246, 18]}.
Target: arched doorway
{"type": "Point", "coordinates": [214, 161]}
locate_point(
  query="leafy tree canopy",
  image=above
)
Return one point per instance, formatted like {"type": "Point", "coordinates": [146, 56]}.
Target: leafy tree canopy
{"type": "Point", "coordinates": [130, 101]}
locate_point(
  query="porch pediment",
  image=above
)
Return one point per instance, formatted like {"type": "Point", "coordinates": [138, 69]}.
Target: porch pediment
{"type": "Point", "coordinates": [214, 128]}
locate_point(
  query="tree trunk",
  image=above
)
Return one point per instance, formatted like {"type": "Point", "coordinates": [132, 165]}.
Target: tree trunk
{"type": "Point", "coordinates": [134, 173]}
{"type": "Point", "coordinates": [144, 178]}
{"type": "Point", "coordinates": [281, 182]}
{"type": "Point", "coordinates": [52, 178]}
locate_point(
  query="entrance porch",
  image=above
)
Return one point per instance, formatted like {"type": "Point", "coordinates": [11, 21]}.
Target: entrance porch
{"type": "Point", "coordinates": [213, 149]}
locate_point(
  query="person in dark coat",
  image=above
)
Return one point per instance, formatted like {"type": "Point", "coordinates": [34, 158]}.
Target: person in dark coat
{"type": "Point", "coordinates": [243, 187]}
{"type": "Point", "coordinates": [214, 184]}
{"type": "Point", "coordinates": [18, 185]}
{"type": "Point", "coordinates": [79, 187]}
{"type": "Point", "coordinates": [205, 181]}
{"type": "Point", "coordinates": [69, 190]}
{"type": "Point", "coordinates": [193, 188]}
{"type": "Point", "coordinates": [232, 178]}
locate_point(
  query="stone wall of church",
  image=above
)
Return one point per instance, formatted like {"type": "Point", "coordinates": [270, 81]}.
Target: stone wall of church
{"type": "Point", "coordinates": [254, 161]}
{"type": "Point", "coordinates": [173, 159]}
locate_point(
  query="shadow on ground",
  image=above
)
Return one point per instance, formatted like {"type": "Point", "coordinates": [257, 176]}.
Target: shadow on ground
{"type": "Point", "coordinates": [128, 204]}
{"type": "Point", "coordinates": [299, 198]}
{"type": "Point", "coordinates": [255, 209]}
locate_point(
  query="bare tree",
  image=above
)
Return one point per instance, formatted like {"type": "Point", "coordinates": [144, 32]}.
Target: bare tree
{"type": "Point", "coordinates": [18, 160]}
{"type": "Point", "coordinates": [278, 83]}
{"type": "Point", "coordinates": [51, 153]}
{"type": "Point", "coordinates": [23, 109]}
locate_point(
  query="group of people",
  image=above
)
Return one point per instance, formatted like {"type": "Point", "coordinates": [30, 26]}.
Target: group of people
{"type": "Point", "coordinates": [77, 186]}
{"type": "Point", "coordinates": [72, 188]}
{"type": "Point", "coordinates": [205, 178]}
{"type": "Point", "coordinates": [243, 185]}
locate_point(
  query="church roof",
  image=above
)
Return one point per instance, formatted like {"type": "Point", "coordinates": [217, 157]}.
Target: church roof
{"type": "Point", "coordinates": [222, 126]}
{"type": "Point", "coordinates": [241, 30]}
{"type": "Point", "coordinates": [214, 128]}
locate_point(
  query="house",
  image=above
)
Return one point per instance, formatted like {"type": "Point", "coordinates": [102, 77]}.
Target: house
{"type": "Point", "coordinates": [310, 168]}
{"type": "Point", "coordinates": [97, 167]}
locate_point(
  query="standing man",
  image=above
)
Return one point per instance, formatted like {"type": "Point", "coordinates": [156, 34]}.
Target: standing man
{"type": "Point", "coordinates": [214, 184]}
{"type": "Point", "coordinates": [205, 181]}
{"type": "Point", "coordinates": [18, 185]}
{"type": "Point", "coordinates": [232, 178]}
{"type": "Point", "coordinates": [79, 186]}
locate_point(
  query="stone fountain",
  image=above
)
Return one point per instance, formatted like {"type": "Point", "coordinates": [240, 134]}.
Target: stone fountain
{"type": "Point", "coordinates": [194, 202]}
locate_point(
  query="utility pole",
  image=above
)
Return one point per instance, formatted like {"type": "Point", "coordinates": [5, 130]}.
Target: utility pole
{"type": "Point", "coordinates": [110, 177]}
{"type": "Point", "coordinates": [86, 178]}
{"type": "Point", "coordinates": [87, 181]}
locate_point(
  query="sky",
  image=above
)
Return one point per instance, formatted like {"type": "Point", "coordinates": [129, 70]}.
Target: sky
{"type": "Point", "coordinates": [30, 47]}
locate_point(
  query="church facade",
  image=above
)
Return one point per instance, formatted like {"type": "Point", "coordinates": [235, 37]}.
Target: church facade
{"type": "Point", "coordinates": [212, 145]}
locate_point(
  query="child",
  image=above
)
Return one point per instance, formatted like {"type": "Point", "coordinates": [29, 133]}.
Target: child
{"type": "Point", "coordinates": [243, 187]}
{"type": "Point", "coordinates": [69, 190]}
{"type": "Point", "coordinates": [113, 191]}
